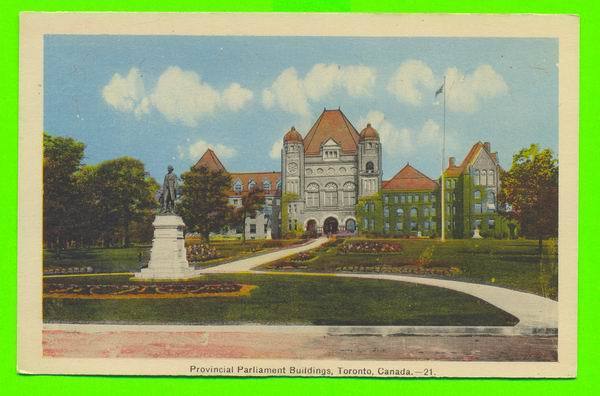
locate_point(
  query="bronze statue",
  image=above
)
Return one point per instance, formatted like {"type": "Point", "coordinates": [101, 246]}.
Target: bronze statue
{"type": "Point", "coordinates": [169, 191]}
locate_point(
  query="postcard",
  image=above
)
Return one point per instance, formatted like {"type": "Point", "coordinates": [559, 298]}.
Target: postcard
{"type": "Point", "coordinates": [314, 195]}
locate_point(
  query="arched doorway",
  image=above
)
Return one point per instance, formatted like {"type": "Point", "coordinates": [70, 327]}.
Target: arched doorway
{"type": "Point", "coordinates": [330, 226]}
{"type": "Point", "coordinates": [311, 228]}
{"type": "Point", "coordinates": [350, 225]}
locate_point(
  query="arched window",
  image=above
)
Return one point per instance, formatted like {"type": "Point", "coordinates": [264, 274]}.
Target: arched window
{"type": "Point", "coordinates": [312, 195]}
{"type": "Point", "coordinates": [349, 194]}
{"type": "Point", "coordinates": [370, 168]}
{"type": "Point", "coordinates": [477, 194]}
{"type": "Point", "coordinates": [251, 185]}
{"type": "Point", "coordinates": [413, 212]}
{"type": "Point", "coordinates": [237, 186]}
{"type": "Point", "coordinates": [491, 177]}
{"type": "Point", "coordinates": [426, 212]}
{"type": "Point", "coordinates": [476, 177]}
{"type": "Point", "coordinates": [266, 185]}
{"type": "Point", "coordinates": [331, 194]}
{"type": "Point", "coordinates": [483, 178]}
{"type": "Point", "coordinates": [399, 212]}
{"type": "Point", "coordinates": [278, 186]}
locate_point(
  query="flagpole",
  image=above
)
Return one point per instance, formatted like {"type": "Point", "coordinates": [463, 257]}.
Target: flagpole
{"type": "Point", "coordinates": [443, 195]}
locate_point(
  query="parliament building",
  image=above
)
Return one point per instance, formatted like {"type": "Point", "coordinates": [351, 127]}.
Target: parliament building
{"type": "Point", "coordinates": [330, 182]}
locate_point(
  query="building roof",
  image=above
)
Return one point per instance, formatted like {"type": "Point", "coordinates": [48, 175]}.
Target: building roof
{"type": "Point", "coordinates": [292, 136]}
{"type": "Point", "coordinates": [369, 133]}
{"type": "Point", "coordinates": [457, 170]}
{"type": "Point", "coordinates": [410, 179]}
{"type": "Point", "coordinates": [332, 124]}
{"type": "Point", "coordinates": [258, 177]}
{"type": "Point", "coordinates": [210, 161]}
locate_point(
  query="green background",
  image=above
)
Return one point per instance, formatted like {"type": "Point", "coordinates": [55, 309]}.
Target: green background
{"type": "Point", "coordinates": [589, 319]}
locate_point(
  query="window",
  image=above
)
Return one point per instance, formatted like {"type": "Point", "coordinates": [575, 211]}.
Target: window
{"type": "Point", "coordinates": [426, 225]}
{"type": "Point", "coordinates": [312, 195]}
{"type": "Point", "coordinates": [416, 198]}
{"type": "Point", "coordinates": [372, 224]}
{"type": "Point", "coordinates": [331, 194]}
{"type": "Point", "coordinates": [432, 197]}
{"type": "Point", "coordinates": [483, 178]}
{"type": "Point", "coordinates": [395, 199]}
{"type": "Point", "coordinates": [399, 212]}
{"type": "Point", "coordinates": [477, 208]}
{"type": "Point", "coordinates": [425, 198]}
{"type": "Point", "coordinates": [491, 224]}
{"type": "Point", "coordinates": [279, 184]}
{"type": "Point", "coordinates": [476, 177]}
{"type": "Point", "coordinates": [399, 226]}
{"type": "Point", "coordinates": [402, 199]}
{"type": "Point", "coordinates": [386, 227]}
{"type": "Point", "coordinates": [252, 228]}
{"type": "Point", "coordinates": [477, 194]}
{"type": "Point", "coordinates": [476, 224]}
{"type": "Point", "coordinates": [237, 186]}
{"type": "Point", "coordinates": [413, 226]}
{"type": "Point", "coordinates": [266, 185]}
{"type": "Point", "coordinates": [448, 196]}
{"type": "Point", "coordinates": [426, 212]}
{"type": "Point", "coordinates": [251, 185]}
{"type": "Point", "coordinates": [370, 168]}
{"type": "Point", "coordinates": [491, 177]}
{"type": "Point", "coordinates": [366, 225]}
{"type": "Point", "coordinates": [448, 183]}
{"type": "Point", "coordinates": [385, 199]}
{"type": "Point", "coordinates": [413, 212]}
{"type": "Point", "coordinates": [409, 199]}
{"type": "Point", "coordinates": [386, 211]}
{"type": "Point", "coordinates": [432, 211]}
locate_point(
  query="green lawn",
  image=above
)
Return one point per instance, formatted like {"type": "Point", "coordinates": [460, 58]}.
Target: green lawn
{"type": "Point", "coordinates": [514, 264]}
{"type": "Point", "coordinates": [286, 300]}
{"type": "Point", "coordinates": [128, 259]}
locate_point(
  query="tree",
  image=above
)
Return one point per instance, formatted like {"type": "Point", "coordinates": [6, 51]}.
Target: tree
{"type": "Point", "coordinates": [530, 189]}
{"type": "Point", "coordinates": [124, 195]}
{"type": "Point", "coordinates": [252, 201]}
{"type": "Point", "coordinates": [204, 206]}
{"type": "Point", "coordinates": [62, 159]}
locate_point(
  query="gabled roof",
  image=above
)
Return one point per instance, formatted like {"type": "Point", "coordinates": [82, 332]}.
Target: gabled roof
{"type": "Point", "coordinates": [210, 161]}
{"type": "Point", "coordinates": [410, 179]}
{"type": "Point", "coordinates": [454, 171]}
{"type": "Point", "coordinates": [332, 124]}
{"type": "Point", "coordinates": [258, 177]}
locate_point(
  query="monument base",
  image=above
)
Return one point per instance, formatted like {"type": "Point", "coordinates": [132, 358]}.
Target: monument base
{"type": "Point", "coordinates": [168, 259]}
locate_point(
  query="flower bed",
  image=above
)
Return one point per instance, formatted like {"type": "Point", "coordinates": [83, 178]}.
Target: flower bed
{"type": "Point", "coordinates": [199, 252]}
{"type": "Point", "coordinates": [370, 247]}
{"type": "Point", "coordinates": [287, 265]}
{"type": "Point", "coordinates": [154, 290]}
{"type": "Point", "coordinates": [67, 270]}
{"type": "Point", "coordinates": [302, 256]}
{"type": "Point", "coordinates": [405, 269]}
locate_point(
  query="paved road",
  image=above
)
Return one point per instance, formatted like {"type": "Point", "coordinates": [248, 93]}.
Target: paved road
{"type": "Point", "coordinates": [533, 311]}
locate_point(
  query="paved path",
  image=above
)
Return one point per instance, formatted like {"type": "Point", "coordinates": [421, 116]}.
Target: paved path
{"type": "Point", "coordinates": [248, 263]}
{"type": "Point", "coordinates": [533, 311]}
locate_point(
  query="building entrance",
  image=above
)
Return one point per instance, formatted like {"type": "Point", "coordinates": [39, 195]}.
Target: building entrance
{"type": "Point", "coordinates": [330, 226]}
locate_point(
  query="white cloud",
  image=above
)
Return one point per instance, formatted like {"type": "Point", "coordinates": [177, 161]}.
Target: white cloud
{"type": "Point", "coordinates": [465, 92]}
{"type": "Point", "coordinates": [127, 94]}
{"type": "Point", "coordinates": [414, 82]}
{"type": "Point", "coordinates": [410, 80]}
{"type": "Point", "coordinates": [195, 150]}
{"type": "Point", "coordinates": [276, 149]}
{"type": "Point", "coordinates": [403, 140]}
{"type": "Point", "coordinates": [235, 96]}
{"type": "Point", "coordinates": [179, 95]}
{"type": "Point", "coordinates": [294, 94]}
{"type": "Point", "coordinates": [393, 140]}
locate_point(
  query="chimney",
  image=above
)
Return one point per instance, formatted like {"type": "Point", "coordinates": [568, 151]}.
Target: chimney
{"type": "Point", "coordinates": [488, 146]}
{"type": "Point", "coordinates": [451, 162]}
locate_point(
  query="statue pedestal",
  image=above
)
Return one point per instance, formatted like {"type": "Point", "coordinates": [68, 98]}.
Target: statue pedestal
{"type": "Point", "coordinates": [476, 234]}
{"type": "Point", "coordinates": [168, 255]}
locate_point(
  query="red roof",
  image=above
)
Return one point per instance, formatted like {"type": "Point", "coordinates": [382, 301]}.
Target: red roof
{"type": "Point", "coordinates": [410, 179]}
{"type": "Point", "coordinates": [369, 133]}
{"type": "Point", "coordinates": [292, 136]}
{"type": "Point", "coordinates": [332, 124]}
{"type": "Point", "coordinates": [454, 171]}
{"type": "Point", "coordinates": [258, 177]}
{"type": "Point", "coordinates": [210, 161]}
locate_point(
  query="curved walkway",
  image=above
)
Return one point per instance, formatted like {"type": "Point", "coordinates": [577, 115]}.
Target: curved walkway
{"type": "Point", "coordinates": [533, 311]}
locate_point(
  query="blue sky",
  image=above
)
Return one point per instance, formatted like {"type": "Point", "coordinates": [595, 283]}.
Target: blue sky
{"type": "Point", "coordinates": [165, 99]}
